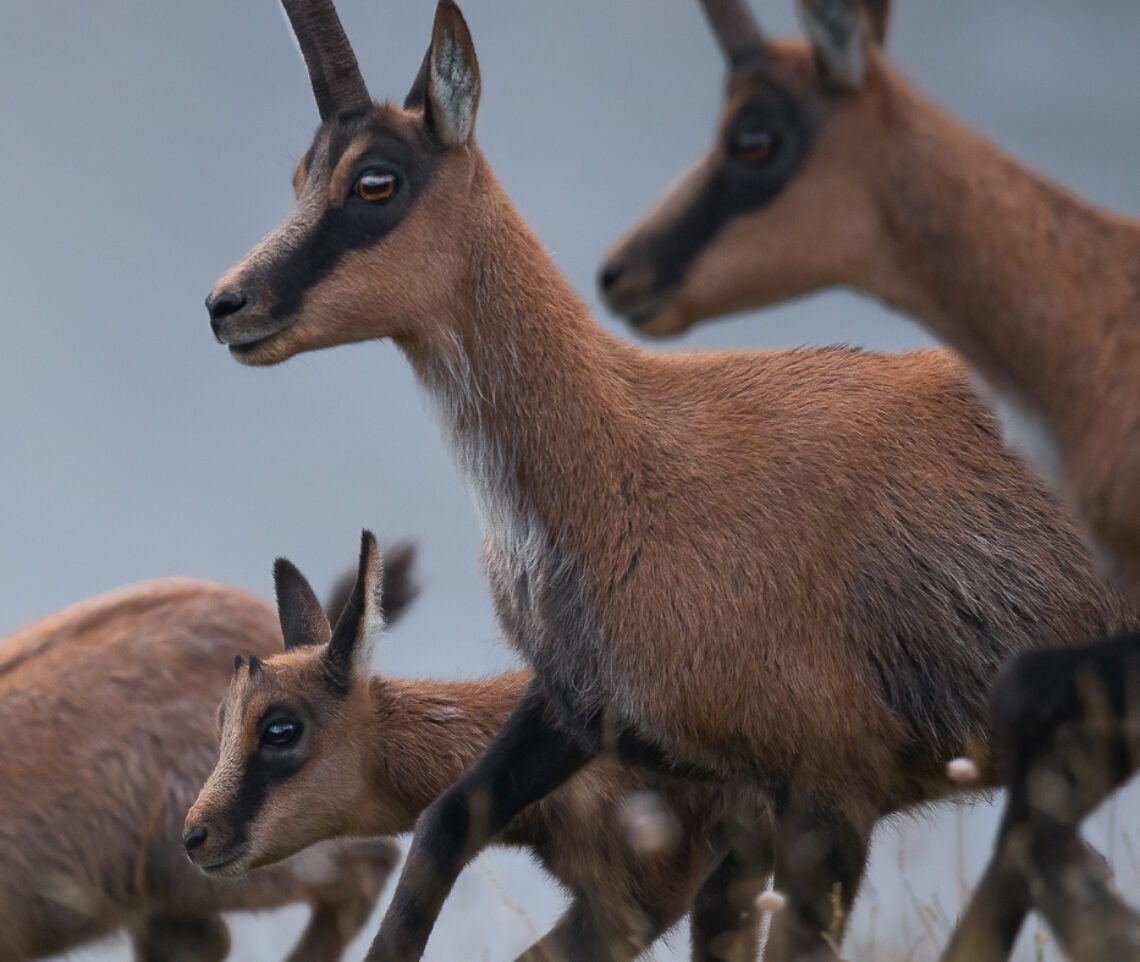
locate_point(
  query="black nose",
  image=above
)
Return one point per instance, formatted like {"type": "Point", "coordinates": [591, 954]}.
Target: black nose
{"type": "Point", "coordinates": [194, 838]}
{"type": "Point", "coordinates": [609, 275]}
{"type": "Point", "coordinates": [223, 305]}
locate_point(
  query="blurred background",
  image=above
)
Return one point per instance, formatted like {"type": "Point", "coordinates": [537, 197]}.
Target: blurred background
{"type": "Point", "coordinates": [146, 144]}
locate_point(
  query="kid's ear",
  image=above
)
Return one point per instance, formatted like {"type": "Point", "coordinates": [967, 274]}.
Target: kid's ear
{"type": "Point", "coordinates": [841, 34]}
{"type": "Point", "coordinates": [349, 654]}
{"type": "Point", "coordinates": [303, 620]}
{"type": "Point", "coordinates": [451, 85]}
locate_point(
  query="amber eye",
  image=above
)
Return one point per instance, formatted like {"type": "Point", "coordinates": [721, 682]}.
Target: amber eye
{"type": "Point", "coordinates": [754, 146]}
{"type": "Point", "coordinates": [375, 185]}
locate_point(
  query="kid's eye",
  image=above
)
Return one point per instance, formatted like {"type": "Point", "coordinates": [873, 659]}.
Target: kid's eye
{"type": "Point", "coordinates": [280, 734]}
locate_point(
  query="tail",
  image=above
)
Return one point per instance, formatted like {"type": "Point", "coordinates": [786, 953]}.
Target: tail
{"type": "Point", "coordinates": [400, 586]}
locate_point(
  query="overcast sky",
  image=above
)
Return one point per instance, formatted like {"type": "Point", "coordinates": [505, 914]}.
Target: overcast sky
{"type": "Point", "coordinates": [147, 144]}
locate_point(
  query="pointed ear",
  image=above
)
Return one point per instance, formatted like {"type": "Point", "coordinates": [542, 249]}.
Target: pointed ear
{"type": "Point", "coordinates": [452, 77]}
{"type": "Point", "coordinates": [349, 654]}
{"type": "Point", "coordinates": [842, 32]}
{"type": "Point", "coordinates": [736, 31]}
{"type": "Point", "coordinates": [417, 96]}
{"type": "Point", "coordinates": [303, 620]}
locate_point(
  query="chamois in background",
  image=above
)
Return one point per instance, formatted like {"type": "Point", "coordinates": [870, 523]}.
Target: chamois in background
{"type": "Point", "coordinates": [830, 169]}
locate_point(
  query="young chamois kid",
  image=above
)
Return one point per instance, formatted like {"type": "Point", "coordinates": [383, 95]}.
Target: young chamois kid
{"type": "Point", "coordinates": [363, 755]}
{"type": "Point", "coordinates": [795, 571]}
{"type": "Point", "coordinates": [108, 710]}
{"type": "Point", "coordinates": [829, 169]}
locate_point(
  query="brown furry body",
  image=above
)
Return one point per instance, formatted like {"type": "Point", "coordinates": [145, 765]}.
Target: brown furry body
{"type": "Point", "coordinates": [784, 532]}
{"type": "Point", "coordinates": [108, 710]}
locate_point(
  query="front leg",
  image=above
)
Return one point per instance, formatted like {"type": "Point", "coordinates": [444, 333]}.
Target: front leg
{"type": "Point", "coordinates": [589, 933]}
{"type": "Point", "coordinates": [725, 921]}
{"type": "Point", "coordinates": [821, 854]}
{"type": "Point", "coordinates": [1061, 723]}
{"type": "Point", "coordinates": [1073, 890]}
{"type": "Point", "coordinates": [528, 759]}
{"type": "Point", "coordinates": [988, 928]}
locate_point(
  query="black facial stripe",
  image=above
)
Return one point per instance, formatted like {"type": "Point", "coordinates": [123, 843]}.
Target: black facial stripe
{"type": "Point", "coordinates": [356, 224]}
{"type": "Point", "coordinates": [262, 773]}
{"type": "Point", "coordinates": [736, 187]}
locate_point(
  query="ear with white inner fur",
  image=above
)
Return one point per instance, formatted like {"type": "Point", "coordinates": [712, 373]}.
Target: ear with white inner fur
{"type": "Point", "coordinates": [303, 620]}
{"type": "Point", "coordinates": [349, 654]}
{"type": "Point", "coordinates": [452, 77]}
{"type": "Point", "coordinates": [841, 34]}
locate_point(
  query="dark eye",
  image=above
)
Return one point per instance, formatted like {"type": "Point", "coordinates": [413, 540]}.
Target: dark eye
{"type": "Point", "coordinates": [281, 733]}
{"type": "Point", "coordinates": [375, 186]}
{"type": "Point", "coordinates": [754, 145]}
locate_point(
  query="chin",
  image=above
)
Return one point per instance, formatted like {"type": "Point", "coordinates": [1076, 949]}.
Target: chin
{"type": "Point", "coordinates": [257, 357]}
{"type": "Point", "coordinates": [247, 347]}
{"type": "Point", "coordinates": [264, 353]}
{"type": "Point", "coordinates": [234, 870]}
{"type": "Point", "coordinates": [229, 868]}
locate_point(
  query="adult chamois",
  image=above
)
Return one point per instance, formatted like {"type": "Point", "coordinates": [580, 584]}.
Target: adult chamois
{"type": "Point", "coordinates": [792, 571]}
{"type": "Point", "coordinates": [108, 710]}
{"type": "Point", "coordinates": [829, 169]}
{"type": "Point", "coordinates": [366, 754]}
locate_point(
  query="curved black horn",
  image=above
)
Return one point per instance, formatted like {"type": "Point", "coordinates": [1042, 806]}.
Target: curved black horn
{"type": "Point", "coordinates": [333, 70]}
{"type": "Point", "coordinates": [736, 30]}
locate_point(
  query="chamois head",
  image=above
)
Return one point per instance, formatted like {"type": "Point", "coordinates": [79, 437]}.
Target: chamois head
{"type": "Point", "coordinates": [292, 726]}
{"type": "Point", "coordinates": [777, 207]}
{"type": "Point", "coordinates": [374, 243]}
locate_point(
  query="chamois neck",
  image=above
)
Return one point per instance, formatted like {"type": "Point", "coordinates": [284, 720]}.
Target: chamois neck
{"type": "Point", "coordinates": [1020, 275]}
{"type": "Point", "coordinates": [533, 395]}
{"type": "Point", "coordinates": [425, 735]}
{"type": "Point", "coordinates": [512, 316]}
